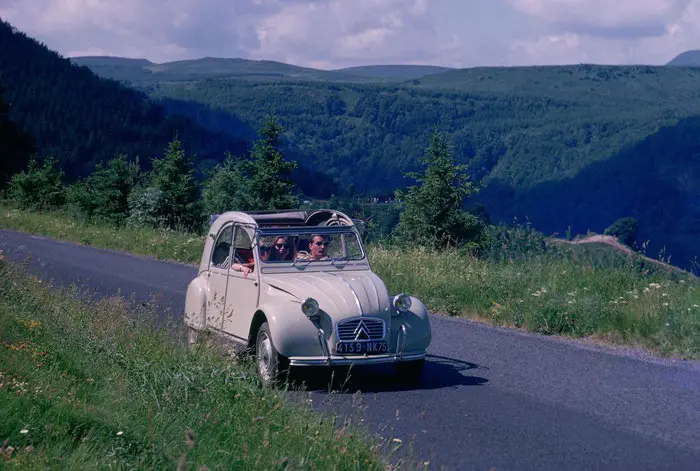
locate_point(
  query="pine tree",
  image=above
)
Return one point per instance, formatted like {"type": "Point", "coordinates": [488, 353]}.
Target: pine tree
{"type": "Point", "coordinates": [170, 197]}
{"type": "Point", "coordinates": [270, 184]}
{"type": "Point", "coordinates": [227, 188]}
{"type": "Point", "coordinates": [433, 214]}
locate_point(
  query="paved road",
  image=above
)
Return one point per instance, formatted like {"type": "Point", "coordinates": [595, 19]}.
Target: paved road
{"type": "Point", "coordinates": [490, 399]}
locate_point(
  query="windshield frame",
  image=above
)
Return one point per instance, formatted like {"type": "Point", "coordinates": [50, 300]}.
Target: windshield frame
{"type": "Point", "coordinates": [300, 230]}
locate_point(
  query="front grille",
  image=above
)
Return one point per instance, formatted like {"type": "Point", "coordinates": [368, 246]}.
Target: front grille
{"type": "Point", "coordinates": [358, 329]}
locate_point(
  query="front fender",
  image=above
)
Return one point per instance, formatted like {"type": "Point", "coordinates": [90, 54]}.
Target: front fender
{"type": "Point", "coordinates": [294, 334]}
{"type": "Point", "coordinates": [196, 304]}
{"type": "Point", "coordinates": [418, 329]}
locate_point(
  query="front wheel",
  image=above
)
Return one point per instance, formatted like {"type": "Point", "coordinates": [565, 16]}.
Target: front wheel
{"type": "Point", "coordinates": [272, 367]}
{"type": "Point", "coordinates": [410, 371]}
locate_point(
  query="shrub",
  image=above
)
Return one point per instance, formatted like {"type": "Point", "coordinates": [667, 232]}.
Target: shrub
{"type": "Point", "coordinates": [39, 187]}
{"type": "Point", "coordinates": [625, 229]}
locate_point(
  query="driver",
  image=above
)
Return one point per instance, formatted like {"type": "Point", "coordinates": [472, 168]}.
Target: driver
{"type": "Point", "coordinates": [317, 248]}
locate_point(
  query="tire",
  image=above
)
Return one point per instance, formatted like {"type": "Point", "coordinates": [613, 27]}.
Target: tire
{"type": "Point", "coordinates": [410, 371]}
{"type": "Point", "coordinates": [271, 366]}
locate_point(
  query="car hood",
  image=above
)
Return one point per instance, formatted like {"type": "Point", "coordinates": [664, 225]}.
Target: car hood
{"type": "Point", "coordinates": [343, 294]}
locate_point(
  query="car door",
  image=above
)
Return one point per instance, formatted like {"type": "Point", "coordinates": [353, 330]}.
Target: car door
{"type": "Point", "coordinates": [241, 291]}
{"type": "Point", "coordinates": [219, 265]}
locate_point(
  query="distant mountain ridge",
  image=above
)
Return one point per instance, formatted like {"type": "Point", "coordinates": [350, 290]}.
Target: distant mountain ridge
{"type": "Point", "coordinates": [686, 59]}
{"type": "Point", "coordinates": [143, 70]}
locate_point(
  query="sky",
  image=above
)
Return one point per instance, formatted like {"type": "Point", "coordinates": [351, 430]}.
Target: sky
{"type": "Point", "coordinates": [331, 34]}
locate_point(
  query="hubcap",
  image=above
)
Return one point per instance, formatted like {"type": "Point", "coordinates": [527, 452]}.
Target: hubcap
{"type": "Point", "coordinates": [264, 356]}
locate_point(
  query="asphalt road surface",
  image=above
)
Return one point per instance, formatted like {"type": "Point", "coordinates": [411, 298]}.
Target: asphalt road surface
{"type": "Point", "coordinates": [491, 399]}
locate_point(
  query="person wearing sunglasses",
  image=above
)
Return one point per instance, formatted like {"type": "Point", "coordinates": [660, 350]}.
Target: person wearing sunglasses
{"type": "Point", "coordinates": [281, 250]}
{"type": "Point", "coordinates": [318, 246]}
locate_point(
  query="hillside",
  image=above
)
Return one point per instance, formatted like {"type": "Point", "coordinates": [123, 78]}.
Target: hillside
{"type": "Point", "coordinates": [564, 146]}
{"type": "Point", "coordinates": [575, 146]}
{"type": "Point", "coordinates": [396, 72]}
{"type": "Point", "coordinates": [686, 59]}
{"type": "Point", "coordinates": [142, 72]}
{"type": "Point", "coordinates": [82, 119]}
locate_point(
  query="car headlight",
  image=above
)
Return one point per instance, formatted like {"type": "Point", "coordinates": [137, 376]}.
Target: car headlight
{"type": "Point", "coordinates": [309, 307]}
{"type": "Point", "coordinates": [402, 302]}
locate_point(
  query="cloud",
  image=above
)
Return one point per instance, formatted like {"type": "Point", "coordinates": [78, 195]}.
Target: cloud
{"type": "Point", "coordinates": [353, 32]}
{"type": "Point", "coordinates": [158, 30]}
{"type": "Point", "coordinates": [616, 36]}
{"type": "Point", "coordinates": [331, 32]}
{"type": "Point", "coordinates": [341, 33]}
{"type": "Point", "coordinates": [617, 18]}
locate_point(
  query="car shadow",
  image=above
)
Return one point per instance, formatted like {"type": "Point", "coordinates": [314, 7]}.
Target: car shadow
{"type": "Point", "coordinates": [440, 372]}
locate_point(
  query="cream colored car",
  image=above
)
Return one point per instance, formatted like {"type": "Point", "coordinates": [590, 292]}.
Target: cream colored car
{"type": "Point", "coordinates": [296, 289]}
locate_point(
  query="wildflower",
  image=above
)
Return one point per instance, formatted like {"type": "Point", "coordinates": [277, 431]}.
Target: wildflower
{"type": "Point", "coordinates": [23, 431]}
{"type": "Point", "coordinates": [120, 433]}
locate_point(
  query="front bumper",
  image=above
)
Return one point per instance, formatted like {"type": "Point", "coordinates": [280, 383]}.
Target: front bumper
{"type": "Point", "coordinates": [331, 360]}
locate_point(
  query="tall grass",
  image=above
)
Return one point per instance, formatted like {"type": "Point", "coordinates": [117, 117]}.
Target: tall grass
{"type": "Point", "coordinates": [555, 294]}
{"type": "Point", "coordinates": [163, 244]}
{"type": "Point", "coordinates": [88, 386]}
{"type": "Point", "coordinates": [519, 281]}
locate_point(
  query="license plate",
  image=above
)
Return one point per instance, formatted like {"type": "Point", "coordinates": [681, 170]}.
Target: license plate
{"type": "Point", "coordinates": [361, 348]}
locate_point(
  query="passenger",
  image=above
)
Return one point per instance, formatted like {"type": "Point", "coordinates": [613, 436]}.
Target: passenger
{"type": "Point", "coordinates": [281, 250]}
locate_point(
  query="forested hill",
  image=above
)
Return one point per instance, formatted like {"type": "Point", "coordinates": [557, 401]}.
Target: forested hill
{"type": "Point", "coordinates": [564, 146]}
{"type": "Point", "coordinates": [575, 146]}
{"type": "Point", "coordinates": [81, 119]}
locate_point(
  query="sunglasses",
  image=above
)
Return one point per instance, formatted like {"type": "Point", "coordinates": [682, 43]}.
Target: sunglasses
{"type": "Point", "coordinates": [325, 244]}
{"type": "Point", "coordinates": [282, 246]}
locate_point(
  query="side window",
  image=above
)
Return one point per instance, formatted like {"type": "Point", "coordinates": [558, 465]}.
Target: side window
{"type": "Point", "coordinates": [242, 250]}
{"type": "Point", "coordinates": [220, 256]}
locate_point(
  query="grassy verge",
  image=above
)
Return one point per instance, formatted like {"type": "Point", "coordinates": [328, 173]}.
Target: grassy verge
{"type": "Point", "coordinates": [164, 245]}
{"type": "Point", "coordinates": [86, 386]}
{"type": "Point", "coordinates": [581, 292]}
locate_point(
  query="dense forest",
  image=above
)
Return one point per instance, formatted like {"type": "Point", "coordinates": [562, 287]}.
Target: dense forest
{"type": "Point", "coordinates": [569, 147]}
{"type": "Point", "coordinates": [82, 119]}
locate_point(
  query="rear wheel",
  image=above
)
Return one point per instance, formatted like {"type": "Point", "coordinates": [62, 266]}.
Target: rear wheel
{"type": "Point", "coordinates": [272, 367]}
{"type": "Point", "coordinates": [410, 371]}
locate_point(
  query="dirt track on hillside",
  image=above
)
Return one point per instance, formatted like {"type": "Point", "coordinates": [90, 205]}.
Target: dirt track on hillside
{"type": "Point", "coordinates": [613, 242]}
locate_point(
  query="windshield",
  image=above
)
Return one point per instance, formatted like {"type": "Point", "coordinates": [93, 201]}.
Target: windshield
{"type": "Point", "coordinates": [311, 245]}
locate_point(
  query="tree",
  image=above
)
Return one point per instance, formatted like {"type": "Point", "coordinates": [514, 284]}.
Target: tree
{"type": "Point", "coordinates": [625, 229]}
{"type": "Point", "coordinates": [263, 181]}
{"type": "Point", "coordinates": [227, 188]}
{"type": "Point", "coordinates": [15, 146]}
{"type": "Point", "coordinates": [433, 213]}
{"type": "Point", "coordinates": [270, 185]}
{"type": "Point", "coordinates": [170, 197]}
{"type": "Point", "coordinates": [39, 187]}
{"type": "Point", "coordinates": [104, 194]}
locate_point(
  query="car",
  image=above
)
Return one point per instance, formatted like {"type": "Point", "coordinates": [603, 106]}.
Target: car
{"type": "Point", "coordinates": [296, 289]}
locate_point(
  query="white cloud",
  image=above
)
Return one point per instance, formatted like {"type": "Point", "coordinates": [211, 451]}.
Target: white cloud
{"type": "Point", "coordinates": [159, 30]}
{"type": "Point", "coordinates": [341, 33]}
{"type": "Point", "coordinates": [616, 36]}
{"type": "Point", "coordinates": [352, 32]}
{"type": "Point", "coordinates": [615, 17]}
